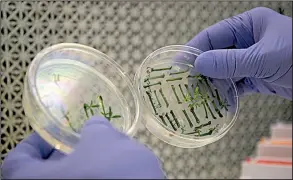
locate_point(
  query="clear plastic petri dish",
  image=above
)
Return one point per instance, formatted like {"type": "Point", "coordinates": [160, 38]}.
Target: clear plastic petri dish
{"type": "Point", "coordinates": [68, 83]}
{"type": "Point", "coordinates": [181, 106]}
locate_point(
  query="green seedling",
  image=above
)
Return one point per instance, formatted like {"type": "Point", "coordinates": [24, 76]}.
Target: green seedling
{"type": "Point", "coordinates": [175, 119]}
{"type": "Point", "coordinates": [163, 96]}
{"type": "Point", "coordinates": [216, 109]}
{"type": "Point", "coordinates": [205, 110]}
{"type": "Point", "coordinates": [159, 103]}
{"type": "Point", "coordinates": [186, 97]}
{"type": "Point", "coordinates": [163, 120]}
{"type": "Point", "coordinates": [208, 107]}
{"type": "Point", "coordinates": [205, 98]}
{"type": "Point", "coordinates": [179, 72]}
{"type": "Point", "coordinates": [189, 97]}
{"type": "Point", "coordinates": [161, 69]}
{"type": "Point", "coordinates": [149, 85]}
{"type": "Point", "coordinates": [154, 77]}
{"type": "Point", "coordinates": [207, 84]}
{"type": "Point", "coordinates": [167, 116]}
{"type": "Point", "coordinates": [89, 107]}
{"type": "Point", "coordinates": [203, 125]}
{"type": "Point", "coordinates": [221, 103]}
{"type": "Point", "coordinates": [109, 115]}
{"type": "Point", "coordinates": [174, 79]}
{"type": "Point", "coordinates": [152, 103]}
{"type": "Point", "coordinates": [210, 132]}
{"type": "Point", "coordinates": [101, 103]}
{"type": "Point", "coordinates": [281, 10]}
{"type": "Point", "coordinates": [66, 116]}
{"type": "Point", "coordinates": [224, 104]}
{"type": "Point", "coordinates": [182, 129]}
{"type": "Point", "coordinates": [196, 131]}
{"type": "Point", "coordinates": [174, 91]}
{"type": "Point", "coordinates": [187, 118]}
{"type": "Point", "coordinates": [194, 115]}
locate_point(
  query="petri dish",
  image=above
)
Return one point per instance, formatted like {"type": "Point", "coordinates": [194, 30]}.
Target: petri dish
{"type": "Point", "coordinates": [181, 106]}
{"type": "Point", "coordinates": [67, 83]}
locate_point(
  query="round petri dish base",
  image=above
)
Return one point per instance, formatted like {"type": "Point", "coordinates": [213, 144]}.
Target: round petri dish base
{"type": "Point", "coordinates": [181, 106]}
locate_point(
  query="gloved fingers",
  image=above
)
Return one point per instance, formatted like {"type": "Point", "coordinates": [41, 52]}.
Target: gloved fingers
{"type": "Point", "coordinates": [236, 31]}
{"type": "Point", "coordinates": [228, 63]}
{"type": "Point", "coordinates": [31, 150]}
{"type": "Point", "coordinates": [56, 155]}
{"type": "Point", "coordinates": [33, 147]}
{"type": "Point", "coordinates": [97, 129]}
{"type": "Point", "coordinates": [245, 87]}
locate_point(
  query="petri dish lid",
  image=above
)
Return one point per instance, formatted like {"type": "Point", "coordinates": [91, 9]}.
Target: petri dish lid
{"type": "Point", "coordinates": [68, 83]}
{"type": "Point", "coordinates": [181, 106]}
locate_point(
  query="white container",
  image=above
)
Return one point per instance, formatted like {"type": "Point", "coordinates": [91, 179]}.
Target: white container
{"type": "Point", "coordinates": [270, 148]}
{"type": "Point", "coordinates": [281, 131]}
{"type": "Point", "coordinates": [264, 171]}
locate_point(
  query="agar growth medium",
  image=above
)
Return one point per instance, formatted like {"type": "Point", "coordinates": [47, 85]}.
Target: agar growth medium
{"type": "Point", "coordinates": [185, 103]}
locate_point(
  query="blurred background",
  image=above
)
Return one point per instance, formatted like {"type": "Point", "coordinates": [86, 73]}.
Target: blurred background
{"type": "Point", "coordinates": [128, 32]}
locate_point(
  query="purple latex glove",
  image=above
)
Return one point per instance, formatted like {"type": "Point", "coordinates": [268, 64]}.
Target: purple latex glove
{"type": "Point", "coordinates": [102, 152]}
{"type": "Point", "coordinates": [262, 60]}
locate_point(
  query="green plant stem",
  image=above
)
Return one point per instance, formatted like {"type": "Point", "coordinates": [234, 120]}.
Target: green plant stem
{"type": "Point", "coordinates": [149, 85]}
{"type": "Point", "coordinates": [174, 91]}
{"type": "Point", "coordinates": [69, 122]}
{"type": "Point", "coordinates": [116, 116]}
{"type": "Point", "coordinates": [163, 96]}
{"type": "Point", "coordinates": [205, 110]}
{"type": "Point", "coordinates": [167, 116]}
{"type": "Point", "coordinates": [175, 119]}
{"type": "Point", "coordinates": [203, 125]}
{"type": "Point", "coordinates": [190, 76]}
{"type": "Point", "coordinates": [197, 129]}
{"type": "Point", "coordinates": [187, 97]}
{"type": "Point", "coordinates": [222, 104]}
{"type": "Point", "coordinates": [154, 77]}
{"type": "Point", "coordinates": [210, 132]}
{"type": "Point", "coordinates": [179, 72]}
{"type": "Point", "coordinates": [214, 117]}
{"type": "Point", "coordinates": [151, 100]}
{"type": "Point", "coordinates": [216, 109]}
{"type": "Point", "coordinates": [163, 120]}
{"type": "Point", "coordinates": [187, 90]}
{"type": "Point", "coordinates": [100, 98]}
{"type": "Point", "coordinates": [187, 117]}
{"type": "Point", "coordinates": [181, 90]}
{"type": "Point", "coordinates": [208, 85]}
{"type": "Point", "coordinates": [281, 11]}
{"type": "Point", "coordinates": [195, 116]}
{"type": "Point", "coordinates": [85, 107]}
{"type": "Point", "coordinates": [174, 79]}
{"type": "Point", "coordinates": [110, 113]}
{"type": "Point", "coordinates": [161, 69]}
{"type": "Point", "coordinates": [159, 103]}
{"type": "Point", "coordinates": [206, 103]}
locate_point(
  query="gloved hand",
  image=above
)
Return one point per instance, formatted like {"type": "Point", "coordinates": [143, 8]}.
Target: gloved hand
{"type": "Point", "coordinates": [102, 152]}
{"type": "Point", "coordinates": [262, 60]}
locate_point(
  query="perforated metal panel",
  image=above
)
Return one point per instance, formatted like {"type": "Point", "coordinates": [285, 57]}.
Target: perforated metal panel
{"type": "Point", "coordinates": [128, 32]}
